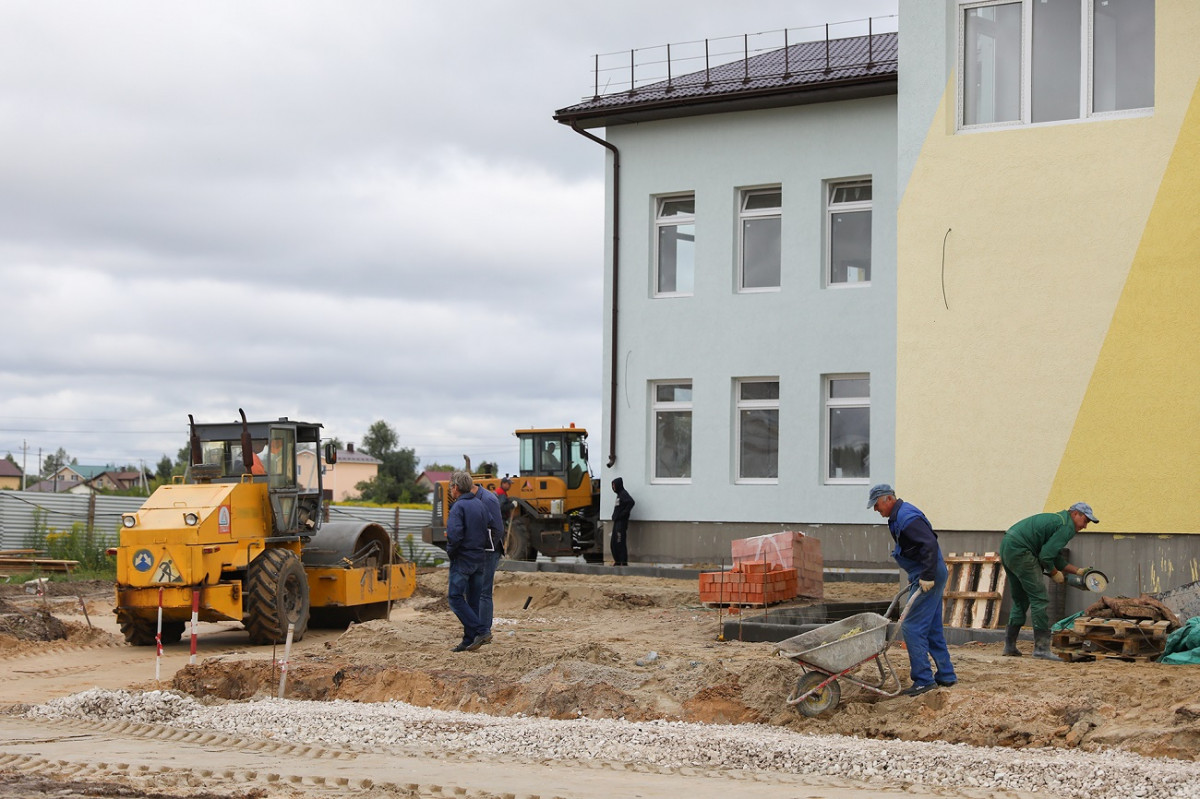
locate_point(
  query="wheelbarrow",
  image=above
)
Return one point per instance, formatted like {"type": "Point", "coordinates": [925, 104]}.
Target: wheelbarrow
{"type": "Point", "coordinates": [829, 653]}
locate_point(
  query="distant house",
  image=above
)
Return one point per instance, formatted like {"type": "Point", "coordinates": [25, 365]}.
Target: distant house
{"type": "Point", "coordinates": [60, 485]}
{"type": "Point", "coordinates": [340, 479]}
{"type": "Point", "coordinates": [427, 478]}
{"type": "Point", "coordinates": [10, 474]}
{"type": "Point", "coordinates": [97, 478]}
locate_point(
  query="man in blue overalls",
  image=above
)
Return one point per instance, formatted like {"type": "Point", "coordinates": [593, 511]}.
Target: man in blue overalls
{"type": "Point", "coordinates": [917, 552]}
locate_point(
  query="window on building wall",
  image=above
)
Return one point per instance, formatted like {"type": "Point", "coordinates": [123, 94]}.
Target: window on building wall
{"type": "Point", "coordinates": [671, 407]}
{"type": "Point", "coordinates": [758, 430]}
{"type": "Point", "coordinates": [848, 232]}
{"type": "Point", "coordinates": [1031, 61]}
{"type": "Point", "coordinates": [848, 428]}
{"type": "Point", "coordinates": [761, 228]}
{"type": "Point", "coordinates": [675, 247]}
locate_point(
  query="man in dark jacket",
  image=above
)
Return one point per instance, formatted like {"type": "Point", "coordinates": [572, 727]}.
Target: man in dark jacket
{"type": "Point", "coordinates": [918, 553]}
{"type": "Point", "coordinates": [618, 543]}
{"type": "Point", "coordinates": [1030, 547]}
{"type": "Point", "coordinates": [469, 548]}
{"type": "Point", "coordinates": [495, 547]}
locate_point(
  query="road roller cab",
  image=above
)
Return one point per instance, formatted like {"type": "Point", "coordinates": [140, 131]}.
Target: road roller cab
{"type": "Point", "coordinates": [240, 538]}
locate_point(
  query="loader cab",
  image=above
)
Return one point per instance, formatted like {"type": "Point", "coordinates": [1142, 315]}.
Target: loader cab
{"type": "Point", "coordinates": [559, 453]}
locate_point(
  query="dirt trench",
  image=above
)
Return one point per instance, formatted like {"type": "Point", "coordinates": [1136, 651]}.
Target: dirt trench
{"type": "Point", "coordinates": [640, 649]}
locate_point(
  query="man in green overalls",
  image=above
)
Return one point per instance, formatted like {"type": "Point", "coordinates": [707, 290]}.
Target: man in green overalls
{"type": "Point", "coordinates": [1029, 548]}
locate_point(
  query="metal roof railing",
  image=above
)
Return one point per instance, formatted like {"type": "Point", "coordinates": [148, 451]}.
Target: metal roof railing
{"type": "Point", "coordinates": [625, 71]}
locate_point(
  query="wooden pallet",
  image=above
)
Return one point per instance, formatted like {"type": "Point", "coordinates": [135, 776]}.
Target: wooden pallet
{"type": "Point", "coordinates": [1121, 639]}
{"type": "Point", "coordinates": [973, 591]}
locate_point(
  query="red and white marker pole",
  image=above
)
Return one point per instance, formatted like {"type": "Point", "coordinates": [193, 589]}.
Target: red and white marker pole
{"type": "Point", "coordinates": [158, 639]}
{"type": "Point", "coordinates": [283, 664]}
{"type": "Point", "coordinates": [195, 621]}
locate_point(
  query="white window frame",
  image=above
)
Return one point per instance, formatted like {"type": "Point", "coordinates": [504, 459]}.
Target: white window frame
{"type": "Point", "coordinates": [1087, 54]}
{"type": "Point", "coordinates": [740, 405]}
{"type": "Point", "coordinates": [745, 215]}
{"type": "Point", "coordinates": [661, 222]}
{"type": "Point", "coordinates": [832, 208]}
{"type": "Point", "coordinates": [676, 406]}
{"type": "Point", "coordinates": [829, 404]}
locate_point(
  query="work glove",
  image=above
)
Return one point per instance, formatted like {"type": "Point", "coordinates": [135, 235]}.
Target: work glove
{"type": "Point", "coordinates": [1058, 577]}
{"type": "Point", "coordinates": [926, 585]}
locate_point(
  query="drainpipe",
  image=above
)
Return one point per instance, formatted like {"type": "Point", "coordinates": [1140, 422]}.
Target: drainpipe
{"type": "Point", "coordinates": [616, 272]}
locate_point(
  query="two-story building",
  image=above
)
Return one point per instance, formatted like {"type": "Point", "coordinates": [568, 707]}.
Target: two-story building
{"type": "Point", "coordinates": [958, 259]}
{"type": "Point", "coordinates": [750, 284]}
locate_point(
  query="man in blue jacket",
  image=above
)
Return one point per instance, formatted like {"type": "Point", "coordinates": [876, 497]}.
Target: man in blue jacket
{"type": "Point", "coordinates": [918, 553]}
{"type": "Point", "coordinates": [496, 546]}
{"type": "Point", "coordinates": [470, 550]}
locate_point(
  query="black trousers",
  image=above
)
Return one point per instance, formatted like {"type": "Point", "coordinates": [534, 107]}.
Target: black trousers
{"type": "Point", "coordinates": [618, 545]}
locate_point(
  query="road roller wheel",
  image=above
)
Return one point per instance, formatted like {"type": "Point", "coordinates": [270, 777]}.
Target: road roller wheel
{"type": "Point", "coordinates": [276, 595]}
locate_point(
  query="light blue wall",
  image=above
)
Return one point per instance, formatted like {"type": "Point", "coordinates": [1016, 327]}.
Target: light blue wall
{"type": "Point", "coordinates": [800, 333]}
{"type": "Point", "coordinates": [928, 44]}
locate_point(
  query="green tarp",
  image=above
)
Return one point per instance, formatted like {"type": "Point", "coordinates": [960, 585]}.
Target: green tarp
{"type": "Point", "coordinates": [1183, 645]}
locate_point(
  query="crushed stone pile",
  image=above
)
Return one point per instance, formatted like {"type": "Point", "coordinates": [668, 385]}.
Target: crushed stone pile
{"type": "Point", "coordinates": [398, 726]}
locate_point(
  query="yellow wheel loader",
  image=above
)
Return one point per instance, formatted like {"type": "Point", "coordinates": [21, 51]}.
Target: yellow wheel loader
{"type": "Point", "coordinates": [557, 499]}
{"type": "Point", "coordinates": [241, 537]}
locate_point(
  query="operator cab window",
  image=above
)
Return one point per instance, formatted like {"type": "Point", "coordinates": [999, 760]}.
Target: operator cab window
{"type": "Point", "coordinates": [579, 463]}
{"type": "Point", "coordinates": [279, 458]}
{"type": "Point", "coordinates": [551, 456]}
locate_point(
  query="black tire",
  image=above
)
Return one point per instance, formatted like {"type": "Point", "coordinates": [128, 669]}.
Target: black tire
{"type": "Point", "coordinates": [593, 557]}
{"type": "Point", "coordinates": [276, 594]}
{"type": "Point", "coordinates": [822, 700]}
{"type": "Point", "coordinates": [140, 632]}
{"type": "Point", "coordinates": [520, 546]}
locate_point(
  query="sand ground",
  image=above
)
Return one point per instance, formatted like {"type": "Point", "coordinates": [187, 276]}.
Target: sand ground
{"type": "Point", "coordinates": [592, 646]}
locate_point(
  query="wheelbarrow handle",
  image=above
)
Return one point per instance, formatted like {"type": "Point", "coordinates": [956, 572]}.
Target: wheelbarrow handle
{"type": "Point", "coordinates": [913, 595]}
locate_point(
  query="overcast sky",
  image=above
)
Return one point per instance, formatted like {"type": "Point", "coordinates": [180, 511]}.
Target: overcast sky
{"type": "Point", "coordinates": [335, 212]}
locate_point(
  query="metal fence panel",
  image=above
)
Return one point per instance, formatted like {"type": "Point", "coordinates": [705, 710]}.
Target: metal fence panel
{"type": "Point", "coordinates": [59, 512]}
{"type": "Point", "coordinates": [62, 511]}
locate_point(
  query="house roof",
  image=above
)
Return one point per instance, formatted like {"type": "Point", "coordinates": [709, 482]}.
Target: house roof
{"type": "Point", "coordinates": [354, 456]}
{"type": "Point", "coordinates": [9, 469]}
{"type": "Point", "coordinates": [434, 477]}
{"type": "Point", "coordinates": [808, 72]}
{"type": "Point", "coordinates": [87, 472]}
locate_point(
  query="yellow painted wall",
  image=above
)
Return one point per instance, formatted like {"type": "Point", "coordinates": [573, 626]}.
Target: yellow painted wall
{"type": "Point", "coordinates": [1067, 276]}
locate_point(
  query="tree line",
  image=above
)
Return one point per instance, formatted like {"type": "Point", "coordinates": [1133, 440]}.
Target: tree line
{"type": "Point", "coordinates": [394, 483]}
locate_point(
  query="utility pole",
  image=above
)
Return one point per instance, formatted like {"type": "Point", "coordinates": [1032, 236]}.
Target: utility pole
{"type": "Point", "coordinates": [24, 460]}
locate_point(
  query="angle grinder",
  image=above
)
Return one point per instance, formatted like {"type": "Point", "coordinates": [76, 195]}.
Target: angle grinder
{"type": "Point", "coordinates": [1088, 579]}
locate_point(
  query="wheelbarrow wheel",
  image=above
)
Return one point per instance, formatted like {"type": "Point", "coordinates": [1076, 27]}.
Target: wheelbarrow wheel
{"type": "Point", "coordinates": [820, 701]}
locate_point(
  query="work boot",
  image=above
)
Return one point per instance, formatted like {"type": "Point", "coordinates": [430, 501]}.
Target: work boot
{"type": "Point", "coordinates": [1041, 646]}
{"type": "Point", "coordinates": [1011, 634]}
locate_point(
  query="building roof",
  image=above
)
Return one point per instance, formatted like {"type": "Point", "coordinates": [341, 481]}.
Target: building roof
{"type": "Point", "coordinates": [434, 477]}
{"type": "Point", "coordinates": [87, 472]}
{"type": "Point", "coordinates": [808, 72]}
{"type": "Point", "coordinates": [354, 456]}
{"type": "Point", "coordinates": [9, 469]}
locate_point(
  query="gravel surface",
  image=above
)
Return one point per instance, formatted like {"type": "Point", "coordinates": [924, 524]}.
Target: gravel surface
{"type": "Point", "coordinates": [398, 726]}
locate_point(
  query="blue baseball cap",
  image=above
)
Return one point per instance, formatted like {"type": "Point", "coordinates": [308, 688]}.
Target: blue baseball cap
{"type": "Point", "coordinates": [877, 491]}
{"type": "Point", "coordinates": [1083, 508]}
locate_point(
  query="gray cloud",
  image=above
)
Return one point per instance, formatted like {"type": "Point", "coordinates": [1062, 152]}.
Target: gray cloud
{"type": "Point", "coordinates": [338, 213]}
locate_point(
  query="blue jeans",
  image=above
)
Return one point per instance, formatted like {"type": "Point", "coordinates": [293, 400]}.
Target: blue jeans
{"type": "Point", "coordinates": [923, 634]}
{"type": "Point", "coordinates": [466, 580]}
{"type": "Point", "coordinates": [485, 596]}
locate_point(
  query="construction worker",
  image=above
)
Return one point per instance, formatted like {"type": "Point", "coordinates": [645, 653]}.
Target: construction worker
{"type": "Point", "coordinates": [1031, 547]}
{"type": "Point", "coordinates": [918, 553]}
{"type": "Point", "coordinates": [469, 546]}
{"type": "Point", "coordinates": [485, 607]}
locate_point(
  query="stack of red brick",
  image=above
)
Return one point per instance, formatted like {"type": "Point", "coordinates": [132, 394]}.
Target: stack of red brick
{"type": "Point", "coordinates": [768, 569]}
